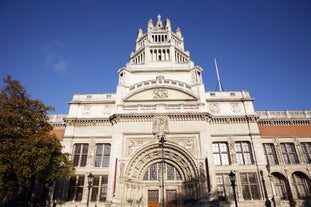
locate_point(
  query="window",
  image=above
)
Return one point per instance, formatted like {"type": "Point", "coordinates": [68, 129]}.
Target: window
{"type": "Point", "coordinates": [221, 153]}
{"type": "Point", "coordinates": [289, 153]}
{"type": "Point", "coordinates": [99, 189]}
{"type": "Point", "coordinates": [306, 150]}
{"type": "Point", "coordinates": [243, 153]}
{"type": "Point", "coordinates": [250, 186]}
{"type": "Point", "coordinates": [300, 182]}
{"type": "Point", "coordinates": [102, 155]}
{"type": "Point", "coordinates": [270, 154]}
{"type": "Point", "coordinates": [75, 189]}
{"type": "Point", "coordinates": [280, 186]}
{"type": "Point", "coordinates": [224, 188]}
{"type": "Point", "coordinates": [171, 172]}
{"type": "Point", "coordinates": [80, 155]}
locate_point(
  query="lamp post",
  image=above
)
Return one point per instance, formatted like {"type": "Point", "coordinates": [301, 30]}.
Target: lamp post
{"type": "Point", "coordinates": [90, 179]}
{"type": "Point", "coordinates": [162, 141]}
{"type": "Point", "coordinates": [232, 179]}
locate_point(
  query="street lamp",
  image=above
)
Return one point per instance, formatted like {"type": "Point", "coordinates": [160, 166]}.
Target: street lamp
{"type": "Point", "coordinates": [162, 141]}
{"type": "Point", "coordinates": [90, 179]}
{"type": "Point", "coordinates": [233, 179]}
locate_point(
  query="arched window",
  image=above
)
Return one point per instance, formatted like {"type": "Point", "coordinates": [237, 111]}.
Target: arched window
{"type": "Point", "coordinates": [153, 172]}
{"type": "Point", "coordinates": [300, 181]}
{"type": "Point", "coordinates": [280, 185]}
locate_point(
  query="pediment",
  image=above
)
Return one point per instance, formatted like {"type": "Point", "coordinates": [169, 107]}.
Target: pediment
{"type": "Point", "coordinates": [161, 94]}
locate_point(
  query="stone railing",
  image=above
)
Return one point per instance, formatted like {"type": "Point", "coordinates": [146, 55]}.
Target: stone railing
{"type": "Point", "coordinates": [57, 118]}
{"type": "Point", "coordinates": [305, 114]}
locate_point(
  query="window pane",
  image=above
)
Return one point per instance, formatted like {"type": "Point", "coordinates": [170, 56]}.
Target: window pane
{"type": "Point", "coordinates": [83, 161]}
{"type": "Point", "coordinates": [239, 159]}
{"type": "Point", "coordinates": [76, 160]}
{"type": "Point", "coordinates": [153, 172]}
{"type": "Point", "coordinates": [245, 147]}
{"type": "Point", "coordinates": [225, 159]}
{"type": "Point", "coordinates": [85, 148]}
{"type": "Point", "coordinates": [246, 193]}
{"type": "Point", "coordinates": [223, 147]}
{"type": "Point", "coordinates": [255, 192]}
{"type": "Point", "coordinates": [237, 147]}
{"type": "Point", "coordinates": [106, 161]}
{"type": "Point", "coordinates": [217, 159]}
{"type": "Point", "coordinates": [215, 148]}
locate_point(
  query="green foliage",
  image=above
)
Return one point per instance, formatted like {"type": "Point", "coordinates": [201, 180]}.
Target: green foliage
{"type": "Point", "coordinates": [30, 158]}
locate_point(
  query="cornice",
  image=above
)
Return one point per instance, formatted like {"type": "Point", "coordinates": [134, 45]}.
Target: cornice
{"type": "Point", "coordinates": [117, 118]}
{"type": "Point", "coordinates": [234, 119]}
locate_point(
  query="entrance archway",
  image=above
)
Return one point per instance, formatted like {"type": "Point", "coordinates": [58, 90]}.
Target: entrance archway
{"type": "Point", "coordinates": [143, 177]}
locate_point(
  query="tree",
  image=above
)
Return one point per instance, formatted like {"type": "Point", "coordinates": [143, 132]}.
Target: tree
{"type": "Point", "coordinates": [30, 158]}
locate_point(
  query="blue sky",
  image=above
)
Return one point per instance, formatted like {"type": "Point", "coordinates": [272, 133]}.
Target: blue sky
{"type": "Point", "coordinates": [58, 48]}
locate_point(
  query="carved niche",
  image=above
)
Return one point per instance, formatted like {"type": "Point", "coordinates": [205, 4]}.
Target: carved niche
{"type": "Point", "coordinates": [160, 125]}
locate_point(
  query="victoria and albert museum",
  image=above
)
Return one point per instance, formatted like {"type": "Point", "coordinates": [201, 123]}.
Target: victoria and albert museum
{"type": "Point", "coordinates": [162, 140]}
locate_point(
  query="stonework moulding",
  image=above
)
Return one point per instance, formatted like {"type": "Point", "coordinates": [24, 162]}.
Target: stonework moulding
{"type": "Point", "coordinates": [233, 119]}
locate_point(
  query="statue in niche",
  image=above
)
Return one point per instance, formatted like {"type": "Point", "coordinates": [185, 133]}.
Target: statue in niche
{"type": "Point", "coordinates": [160, 93]}
{"type": "Point", "coordinates": [160, 125]}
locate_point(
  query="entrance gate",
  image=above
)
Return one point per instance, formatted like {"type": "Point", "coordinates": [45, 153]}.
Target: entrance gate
{"type": "Point", "coordinates": [171, 198]}
{"type": "Point", "coordinates": [153, 198]}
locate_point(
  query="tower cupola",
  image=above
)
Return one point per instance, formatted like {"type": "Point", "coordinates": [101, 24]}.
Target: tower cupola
{"type": "Point", "coordinates": [159, 47]}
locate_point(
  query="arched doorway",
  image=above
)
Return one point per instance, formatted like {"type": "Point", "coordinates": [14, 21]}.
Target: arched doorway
{"type": "Point", "coordinates": [143, 176]}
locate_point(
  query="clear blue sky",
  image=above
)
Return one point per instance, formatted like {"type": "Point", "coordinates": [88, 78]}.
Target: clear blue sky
{"type": "Point", "coordinates": [58, 48]}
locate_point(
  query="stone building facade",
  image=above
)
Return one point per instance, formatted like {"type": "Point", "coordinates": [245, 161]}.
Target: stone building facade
{"type": "Point", "coordinates": [161, 138]}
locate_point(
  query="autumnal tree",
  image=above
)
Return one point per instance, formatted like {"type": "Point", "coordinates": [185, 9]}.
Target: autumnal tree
{"type": "Point", "coordinates": [30, 158]}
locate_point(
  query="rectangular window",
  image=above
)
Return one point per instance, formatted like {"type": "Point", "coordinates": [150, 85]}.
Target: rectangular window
{"type": "Point", "coordinates": [243, 153]}
{"type": "Point", "coordinates": [221, 153]}
{"type": "Point", "coordinates": [250, 188]}
{"type": "Point", "coordinates": [75, 189]}
{"type": "Point", "coordinates": [99, 188]}
{"type": "Point", "coordinates": [289, 153]}
{"type": "Point", "coordinates": [102, 157]}
{"type": "Point", "coordinates": [80, 155]}
{"type": "Point", "coordinates": [224, 188]}
{"type": "Point", "coordinates": [270, 154]}
{"type": "Point", "coordinates": [306, 150]}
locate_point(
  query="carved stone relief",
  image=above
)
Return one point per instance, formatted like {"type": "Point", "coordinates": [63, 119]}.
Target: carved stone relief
{"type": "Point", "coordinates": [235, 107]}
{"type": "Point", "coordinates": [214, 107]}
{"type": "Point", "coordinates": [186, 142]}
{"type": "Point", "coordinates": [107, 110]}
{"type": "Point", "coordinates": [135, 143]}
{"type": "Point", "coordinates": [160, 93]}
{"type": "Point", "coordinates": [86, 109]}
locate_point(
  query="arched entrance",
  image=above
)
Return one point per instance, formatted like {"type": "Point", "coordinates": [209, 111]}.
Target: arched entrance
{"type": "Point", "coordinates": [143, 176]}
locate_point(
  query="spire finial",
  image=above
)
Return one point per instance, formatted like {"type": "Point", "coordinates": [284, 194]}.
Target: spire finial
{"type": "Point", "coordinates": [159, 22]}
{"type": "Point", "coordinates": [159, 17]}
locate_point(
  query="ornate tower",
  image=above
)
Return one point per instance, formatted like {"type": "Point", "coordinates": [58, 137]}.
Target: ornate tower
{"type": "Point", "coordinates": [160, 60]}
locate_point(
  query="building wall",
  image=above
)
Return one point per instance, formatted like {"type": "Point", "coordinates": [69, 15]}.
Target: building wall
{"type": "Point", "coordinates": [119, 138]}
